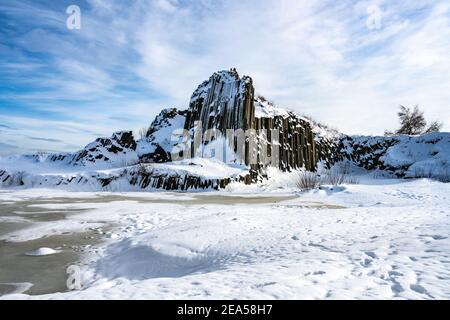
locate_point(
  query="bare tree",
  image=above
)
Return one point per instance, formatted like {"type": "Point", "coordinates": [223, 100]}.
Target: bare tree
{"type": "Point", "coordinates": [412, 122]}
{"type": "Point", "coordinates": [435, 126]}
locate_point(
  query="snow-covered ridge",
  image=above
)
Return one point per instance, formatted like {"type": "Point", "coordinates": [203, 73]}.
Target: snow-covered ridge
{"type": "Point", "coordinates": [116, 151]}
{"type": "Point", "coordinates": [426, 156]}
{"type": "Point", "coordinates": [266, 109]}
{"type": "Point", "coordinates": [182, 175]}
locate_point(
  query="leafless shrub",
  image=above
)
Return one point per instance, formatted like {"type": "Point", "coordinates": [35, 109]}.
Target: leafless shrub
{"type": "Point", "coordinates": [307, 180]}
{"type": "Point", "coordinates": [335, 178]}
{"type": "Point", "coordinates": [351, 180]}
{"type": "Point", "coordinates": [443, 177]}
{"type": "Point", "coordinates": [339, 175]}
{"type": "Point", "coordinates": [422, 173]}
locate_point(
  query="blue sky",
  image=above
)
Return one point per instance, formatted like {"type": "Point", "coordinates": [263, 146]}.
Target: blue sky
{"type": "Point", "coordinates": [348, 64]}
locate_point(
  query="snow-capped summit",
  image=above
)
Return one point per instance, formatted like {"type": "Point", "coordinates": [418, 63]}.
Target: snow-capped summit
{"type": "Point", "coordinates": [120, 149]}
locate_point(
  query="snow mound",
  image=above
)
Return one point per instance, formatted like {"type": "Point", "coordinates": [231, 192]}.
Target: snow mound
{"type": "Point", "coordinates": [425, 156]}
{"type": "Point", "coordinates": [138, 261]}
{"type": "Point", "coordinates": [202, 167]}
{"type": "Point", "coordinates": [41, 252]}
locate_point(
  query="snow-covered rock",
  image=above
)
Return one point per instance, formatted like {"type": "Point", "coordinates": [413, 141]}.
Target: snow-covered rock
{"type": "Point", "coordinates": [267, 109]}
{"type": "Point", "coordinates": [120, 149]}
{"type": "Point", "coordinates": [159, 142]}
{"type": "Point", "coordinates": [426, 156]}
{"type": "Point", "coordinates": [41, 252]}
{"type": "Point", "coordinates": [186, 174]}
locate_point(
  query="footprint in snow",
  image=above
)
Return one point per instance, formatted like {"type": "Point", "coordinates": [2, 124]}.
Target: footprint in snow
{"type": "Point", "coordinates": [438, 237]}
{"type": "Point", "coordinates": [418, 288]}
{"type": "Point", "coordinates": [371, 254]}
{"type": "Point", "coordinates": [366, 263]}
{"type": "Point", "coordinates": [315, 273]}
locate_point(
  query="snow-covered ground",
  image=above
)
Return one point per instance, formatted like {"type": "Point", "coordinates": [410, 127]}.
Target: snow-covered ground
{"type": "Point", "coordinates": [379, 239]}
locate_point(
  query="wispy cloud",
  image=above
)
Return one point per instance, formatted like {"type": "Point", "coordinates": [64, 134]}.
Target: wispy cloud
{"type": "Point", "coordinates": [3, 126]}
{"type": "Point", "coordinates": [130, 59]}
{"type": "Point", "coordinates": [45, 139]}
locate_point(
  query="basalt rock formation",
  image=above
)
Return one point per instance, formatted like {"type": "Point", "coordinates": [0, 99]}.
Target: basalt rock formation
{"type": "Point", "coordinates": [227, 101]}
{"type": "Point", "coordinates": [223, 102]}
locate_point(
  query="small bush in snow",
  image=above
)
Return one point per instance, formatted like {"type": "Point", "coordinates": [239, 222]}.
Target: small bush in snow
{"type": "Point", "coordinates": [443, 178]}
{"type": "Point", "coordinates": [335, 178]}
{"type": "Point", "coordinates": [307, 180]}
{"type": "Point", "coordinates": [339, 175]}
{"type": "Point", "coordinates": [422, 173]}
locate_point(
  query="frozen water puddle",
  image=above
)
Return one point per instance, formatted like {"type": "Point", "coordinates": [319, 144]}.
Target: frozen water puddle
{"type": "Point", "coordinates": [41, 273]}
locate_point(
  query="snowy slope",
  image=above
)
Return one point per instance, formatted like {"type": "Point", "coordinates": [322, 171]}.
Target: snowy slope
{"type": "Point", "coordinates": [266, 109]}
{"type": "Point", "coordinates": [426, 156]}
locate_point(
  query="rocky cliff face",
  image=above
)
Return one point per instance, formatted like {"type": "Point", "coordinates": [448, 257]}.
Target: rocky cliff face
{"type": "Point", "coordinates": [225, 101]}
